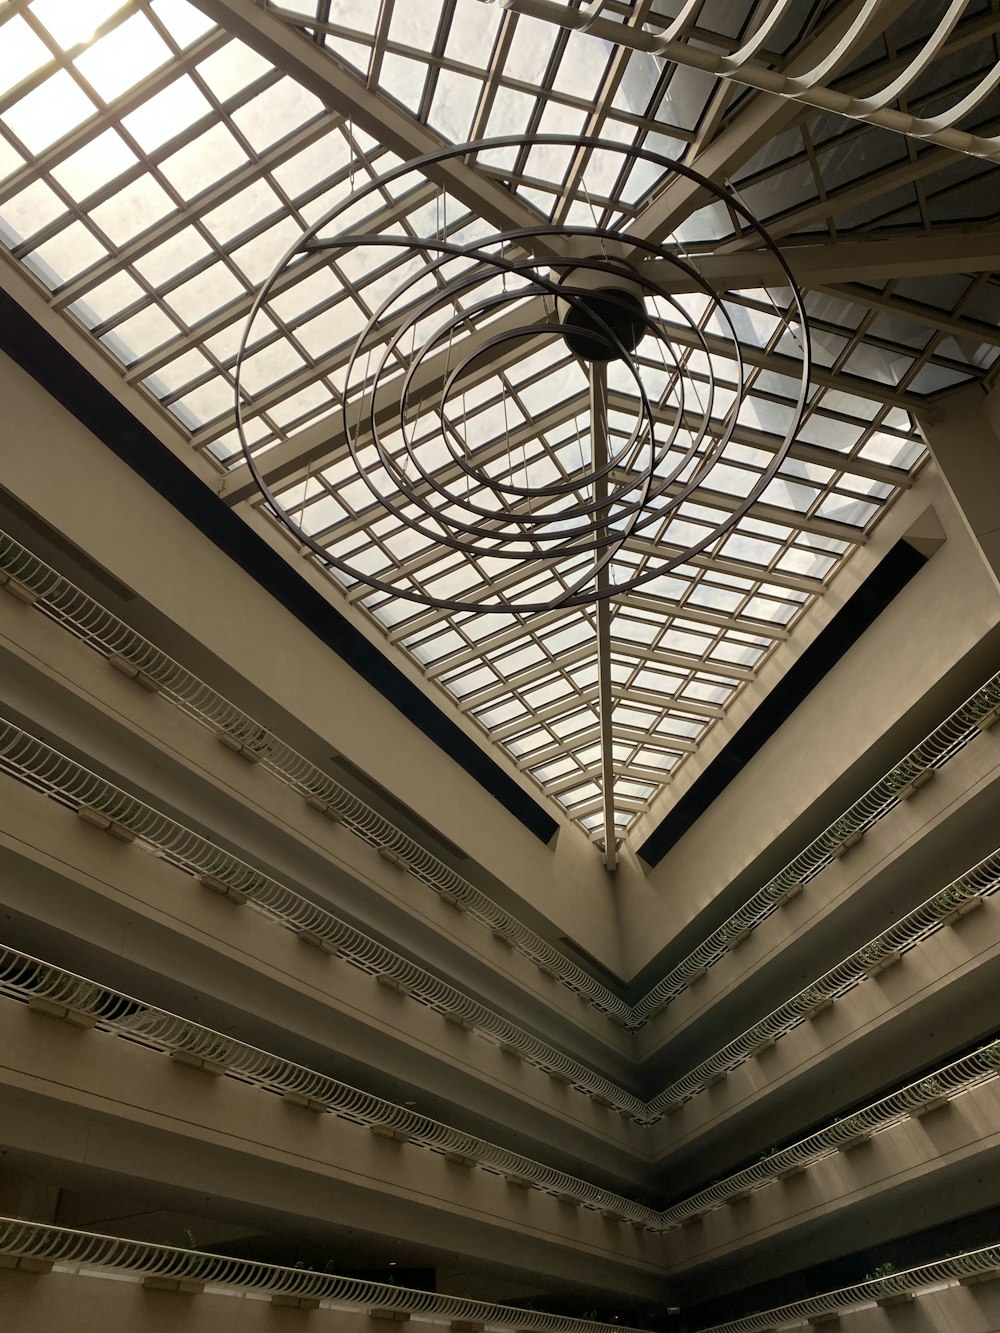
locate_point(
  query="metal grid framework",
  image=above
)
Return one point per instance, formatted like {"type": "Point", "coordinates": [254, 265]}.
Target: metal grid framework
{"type": "Point", "coordinates": [157, 157]}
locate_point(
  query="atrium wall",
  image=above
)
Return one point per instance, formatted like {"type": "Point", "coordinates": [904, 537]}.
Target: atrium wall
{"type": "Point", "coordinates": [86, 1116]}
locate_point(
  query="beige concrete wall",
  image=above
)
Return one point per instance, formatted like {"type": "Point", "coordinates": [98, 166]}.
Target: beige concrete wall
{"type": "Point", "coordinates": [92, 1098]}
{"type": "Point", "coordinates": [266, 818]}
{"type": "Point", "coordinates": [940, 997]}
{"type": "Point", "coordinates": [101, 505]}
{"type": "Point", "coordinates": [117, 893]}
{"type": "Point", "coordinates": [837, 910]}
{"type": "Point", "coordinates": [95, 1304]}
{"type": "Point", "coordinates": [919, 1173]}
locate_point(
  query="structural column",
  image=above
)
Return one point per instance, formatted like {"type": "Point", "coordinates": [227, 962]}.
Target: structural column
{"type": "Point", "coordinates": [963, 434]}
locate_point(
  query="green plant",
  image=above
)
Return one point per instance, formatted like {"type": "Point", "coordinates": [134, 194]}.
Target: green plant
{"type": "Point", "coordinates": [931, 1087]}
{"type": "Point", "coordinates": [872, 953]}
{"type": "Point", "coordinates": [948, 899]}
{"type": "Point", "coordinates": [880, 1271]}
{"type": "Point", "coordinates": [840, 830]}
{"type": "Point", "coordinates": [250, 734]}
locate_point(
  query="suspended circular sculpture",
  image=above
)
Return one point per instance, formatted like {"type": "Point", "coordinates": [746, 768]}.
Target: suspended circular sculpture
{"type": "Point", "coordinates": [597, 522]}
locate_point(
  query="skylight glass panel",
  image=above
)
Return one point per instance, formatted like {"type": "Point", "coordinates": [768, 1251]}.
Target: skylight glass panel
{"type": "Point", "coordinates": [121, 59]}
{"type": "Point", "coordinates": [133, 210]}
{"type": "Point", "coordinates": [68, 253]}
{"type": "Point", "coordinates": [49, 112]}
{"type": "Point", "coordinates": [71, 24]}
{"type": "Point", "coordinates": [22, 52]}
{"type": "Point", "coordinates": [203, 162]}
{"type": "Point", "coordinates": [153, 229]}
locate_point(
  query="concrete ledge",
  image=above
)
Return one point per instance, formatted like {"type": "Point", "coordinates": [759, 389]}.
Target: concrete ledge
{"type": "Point", "coordinates": [316, 941]}
{"type": "Point", "coordinates": [914, 786]}
{"type": "Point", "coordinates": [107, 825]}
{"type": "Point", "coordinates": [901, 1298]}
{"type": "Point", "coordinates": [393, 858]}
{"type": "Point", "coordinates": [963, 909]}
{"type": "Point", "coordinates": [883, 964]}
{"type": "Point", "coordinates": [935, 1104]}
{"type": "Point", "coordinates": [184, 1286]}
{"type": "Point", "coordinates": [26, 1263]}
{"type": "Point", "coordinates": [305, 1103]}
{"type": "Point", "coordinates": [231, 743]}
{"type": "Point", "coordinates": [389, 1132]}
{"type": "Point", "coordinates": [200, 1062]}
{"type": "Point", "coordinates": [844, 847]}
{"type": "Point", "coordinates": [18, 590]}
{"type": "Point", "coordinates": [127, 668]}
{"type": "Point", "coordinates": [457, 1021]}
{"type": "Point", "coordinates": [317, 803]}
{"type": "Point", "coordinates": [392, 983]}
{"type": "Point", "coordinates": [77, 1018]}
{"type": "Point", "coordinates": [224, 890]}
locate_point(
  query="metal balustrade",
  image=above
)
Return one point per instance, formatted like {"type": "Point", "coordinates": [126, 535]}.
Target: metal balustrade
{"type": "Point", "coordinates": [980, 882]}
{"type": "Point", "coordinates": [63, 602]}
{"type": "Point", "coordinates": [944, 1084]}
{"type": "Point", "coordinates": [31, 980]}
{"type": "Point", "coordinates": [933, 752]}
{"type": "Point", "coordinates": [946, 1272]}
{"type": "Point", "coordinates": [72, 608]}
{"type": "Point", "coordinates": [44, 768]}
{"type": "Point", "coordinates": [80, 1251]}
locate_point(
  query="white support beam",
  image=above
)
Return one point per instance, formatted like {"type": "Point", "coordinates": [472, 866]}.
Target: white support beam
{"type": "Point", "coordinates": [962, 432]}
{"type": "Point", "coordinates": [605, 699]}
{"type": "Point", "coordinates": [325, 443]}
{"type": "Point", "coordinates": [942, 252]}
{"type": "Point", "coordinates": [339, 88]}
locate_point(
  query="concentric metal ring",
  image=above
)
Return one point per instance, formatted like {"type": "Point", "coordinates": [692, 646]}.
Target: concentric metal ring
{"type": "Point", "coordinates": [562, 539]}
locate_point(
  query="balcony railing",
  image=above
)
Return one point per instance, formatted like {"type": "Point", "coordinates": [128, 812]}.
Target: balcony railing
{"type": "Point", "coordinates": [916, 1098]}
{"type": "Point", "coordinates": [942, 908]}
{"type": "Point", "coordinates": [72, 608]}
{"type": "Point", "coordinates": [58, 993]}
{"type": "Point", "coordinates": [945, 1273]}
{"type": "Point", "coordinates": [45, 769]}
{"type": "Point", "coordinates": [63, 602]}
{"type": "Point", "coordinates": [83, 1251]}
{"type": "Point", "coordinates": [933, 752]}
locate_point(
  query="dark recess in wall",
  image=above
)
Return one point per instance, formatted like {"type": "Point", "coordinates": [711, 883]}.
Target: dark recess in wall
{"type": "Point", "coordinates": [888, 578]}
{"type": "Point", "coordinates": [57, 371]}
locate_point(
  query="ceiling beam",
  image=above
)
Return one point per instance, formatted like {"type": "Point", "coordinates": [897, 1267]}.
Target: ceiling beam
{"type": "Point", "coordinates": [873, 186]}
{"type": "Point", "coordinates": [325, 442]}
{"type": "Point", "coordinates": [764, 117]}
{"type": "Point", "coordinates": [340, 89]}
{"type": "Point", "coordinates": [942, 252]}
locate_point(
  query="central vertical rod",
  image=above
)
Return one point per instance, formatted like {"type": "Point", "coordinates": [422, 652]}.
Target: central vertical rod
{"type": "Point", "coordinates": [599, 458]}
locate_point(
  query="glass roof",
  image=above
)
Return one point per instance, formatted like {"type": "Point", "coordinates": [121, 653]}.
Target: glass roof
{"type": "Point", "coordinates": [154, 167]}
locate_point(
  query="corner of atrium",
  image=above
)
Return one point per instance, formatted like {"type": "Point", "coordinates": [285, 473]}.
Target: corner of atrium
{"type": "Point", "coordinates": [499, 665]}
